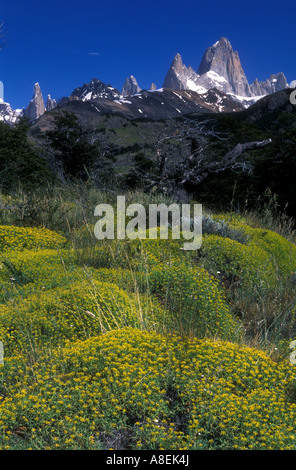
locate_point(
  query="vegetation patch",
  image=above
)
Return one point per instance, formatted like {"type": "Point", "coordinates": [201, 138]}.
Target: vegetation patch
{"type": "Point", "coordinates": [131, 389]}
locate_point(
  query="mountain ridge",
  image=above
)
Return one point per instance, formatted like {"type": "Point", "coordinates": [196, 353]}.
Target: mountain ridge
{"type": "Point", "coordinates": [220, 70]}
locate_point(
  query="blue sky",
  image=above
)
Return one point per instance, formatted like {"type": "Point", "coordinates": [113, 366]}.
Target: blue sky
{"type": "Point", "coordinates": [64, 44]}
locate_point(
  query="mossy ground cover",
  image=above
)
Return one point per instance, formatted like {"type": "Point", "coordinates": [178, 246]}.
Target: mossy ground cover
{"type": "Point", "coordinates": [138, 344]}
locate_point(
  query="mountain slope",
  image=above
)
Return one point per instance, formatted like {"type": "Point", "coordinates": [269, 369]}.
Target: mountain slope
{"type": "Point", "coordinates": [153, 104]}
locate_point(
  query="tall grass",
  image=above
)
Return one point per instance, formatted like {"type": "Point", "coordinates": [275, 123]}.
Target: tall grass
{"type": "Point", "coordinates": [267, 214]}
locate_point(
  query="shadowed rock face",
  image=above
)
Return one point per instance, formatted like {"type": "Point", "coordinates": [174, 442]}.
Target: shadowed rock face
{"type": "Point", "coordinates": [176, 77]}
{"type": "Point", "coordinates": [95, 89]}
{"type": "Point", "coordinates": [36, 107]}
{"type": "Point", "coordinates": [221, 59]}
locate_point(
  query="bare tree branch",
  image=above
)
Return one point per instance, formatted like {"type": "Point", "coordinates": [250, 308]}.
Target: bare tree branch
{"type": "Point", "coordinates": [185, 157]}
{"type": "Point", "coordinates": [201, 168]}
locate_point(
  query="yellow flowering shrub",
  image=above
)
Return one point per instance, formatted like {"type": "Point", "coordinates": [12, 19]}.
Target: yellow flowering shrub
{"type": "Point", "coordinates": [22, 238]}
{"type": "Point", "coordinates": [78, 311]}
{"type": "Point", "coordinates": [233, 261]}
{"type": "Point", "coordinates": [281, 252]}
{"type": "Point", "coordinates": [194, 300]}
{"type": "Point", "coordinates": [85, 365]}
{"type": "Point", "coordinates": [193, 297]}
{"type": "Point", "coordinates": [28, 270]}
{"type": "Point", "coordinates": [133, 389]}
{"type": "Point", "coordinates": [124, 278]}
{"type": "Point", "coordinates": [125, 254]}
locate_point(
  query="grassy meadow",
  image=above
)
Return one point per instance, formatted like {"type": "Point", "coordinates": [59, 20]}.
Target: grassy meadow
{"type": "Point", "coordinates": [138, 344]}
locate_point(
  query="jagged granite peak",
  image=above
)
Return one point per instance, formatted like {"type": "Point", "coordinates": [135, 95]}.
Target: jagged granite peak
{"type": "Point", "coordinates": [211, 52]}
{"type": "Point", "coordinates": [50, 103]}
{"type": "Point", "coordinates": [223, 61]}
{"type": "Point", "coordinates": [153, 87]}
{"type": "Point", "coordinates": [95, 89]}
{"type": "Point", "coordinates": [256, 87]}
{"type": "Point", "coordinates": [276, 82]}
{"type": "Point", "coordinates": [180, 77]}
{"type": "Point", "coordinates": [175, 78]}
{"type": "Point", "coordinates": [177, 63]}
{"type": "Point", "coordinates": [130, 87]}
{"type": "Point", "coordinates": [36, 107]}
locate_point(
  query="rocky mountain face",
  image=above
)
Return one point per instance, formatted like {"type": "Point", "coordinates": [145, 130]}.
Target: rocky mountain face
{"type": "Point", "coordinates": [95, 89]}
{"type": "Point", "coordinates": [276, 82]}
{"type": "Point", "coordinates": [220, 59]}
{"type": "Point", "coordinates": [36, 107]}
{"type": "Point", "coordinates": [50, 103]}
{"type": "Point", "coordinates": [133, 102]}
{"type": "Point", "coordinates": [130, 86]}
{"type": "Point", "coordinates": [221, 68]}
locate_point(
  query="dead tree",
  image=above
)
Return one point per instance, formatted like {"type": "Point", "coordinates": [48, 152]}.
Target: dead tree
{"type": "Point", "coordinates": [197, 167]}
{"type": "Point", "coordinates": [185, 158]}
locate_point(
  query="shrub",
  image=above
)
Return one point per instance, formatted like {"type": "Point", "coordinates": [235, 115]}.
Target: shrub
{"type": "Point", "coordinates": [130, 389]}
{"type": "Point", "coordinates": [280, 251]}
{"type": "Point", "coordinates": [232, 261]}
{"type": "Point", "coordinates": [30, 271]}
{"type": "Point", "coordinates": [76, 312]}
{"type": "Point", "coordinates": [195, 301]}
{"type": "Point", "coordinates": [25, 238]}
